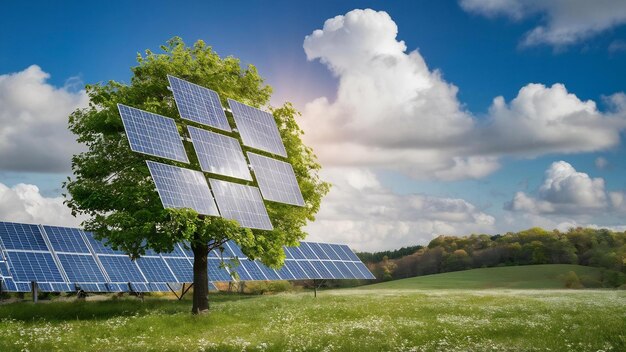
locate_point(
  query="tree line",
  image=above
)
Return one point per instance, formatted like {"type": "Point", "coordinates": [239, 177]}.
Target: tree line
{"type": "Point", "coordinates": [584, 246]}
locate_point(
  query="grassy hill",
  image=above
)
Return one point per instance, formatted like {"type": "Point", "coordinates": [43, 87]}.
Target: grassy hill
{"type": "Point", "coordinates": [549, 276]}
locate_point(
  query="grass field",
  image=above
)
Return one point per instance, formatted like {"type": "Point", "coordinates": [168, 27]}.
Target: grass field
{"type": "Point", "coordinates": [375, 318]}
{"type": "Point", "coordinates": [549, 276]}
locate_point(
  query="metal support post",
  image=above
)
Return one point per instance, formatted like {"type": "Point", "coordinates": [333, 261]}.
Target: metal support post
{"type": "Point", "coordinates": [34, 289]}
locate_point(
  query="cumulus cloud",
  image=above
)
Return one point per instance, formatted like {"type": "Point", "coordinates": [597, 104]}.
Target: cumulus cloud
{"type": "Point", "coordinates": [362, 212]}
{"type": "Point", "coordinates": [564, 22]}
{"type": "Point", "coordinates": [33, 122]}
{"type": "Point", "coordinates": [566, 191]}
{"type": "Point", "coordinates": [392, 111]}
{"type": "Point", "coordinates": [24, 203]}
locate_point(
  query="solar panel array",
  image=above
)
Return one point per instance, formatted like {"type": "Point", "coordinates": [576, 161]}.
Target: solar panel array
{"type": "Point", "coordinates": [242, 203]}
{"type": "Point", "coordinates": [219, 154]}
{"type": "Point", "coordinates": [198, 104]}
{"type": "Point", "coordinates": [257, 128]}
{"type": "Point", "coordinates": [182, 188]}
{"type": "Point", "coordinates": [152, 134]}
{"type": "Point", "coordinates": [276, 180]}
{"type": "Point", "coordinates": [63, 259]}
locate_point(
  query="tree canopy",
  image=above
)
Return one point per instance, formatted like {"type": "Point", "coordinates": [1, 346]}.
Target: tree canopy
{"type": "Point", "coordinates": [112, 186]}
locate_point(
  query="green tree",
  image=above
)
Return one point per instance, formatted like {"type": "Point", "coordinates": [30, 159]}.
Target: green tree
{"type": "Point", "coordinates": [112, 185]}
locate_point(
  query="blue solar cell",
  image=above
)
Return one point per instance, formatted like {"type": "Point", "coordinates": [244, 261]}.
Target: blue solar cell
{"type": "Point", "coordinates": [177, 252]}
{"type": "Point", "coordinates": [242, 203]}
{"type": "Point", "coordinates": [317, 250]}
{"type": "Point", "coordinates": [355, 271]}
{"type": "Point", "coordinates": [155, 269]}
{"type": "Point", "coordinates": [8, 285]}
{"type": "Point", "coordinates": [219, 154]}
{"type": "Point", "coordinates": [340, 252]}
{"type": "Point", "coordinates": [344, 270]}
{"type": "Point", "coordinates": [234, 248]}
{"type": "Point", "coordinates": [309, 269]}
{"type": "Point", "coordinates": [253, 269]}
{"type": "Point", "coordinates": [276, 180]}
{"type": "Point", "coordinates": [182, 188]}
{"type": "Point", "coordinates": [334, 271]}
{"type": "Point", "coordinates": [21, 236]}
{"type": "Point", "coordinates": [158, 287]}
{"type": "Point", "coordinates": [152, 134]}
{"type": "Point", "coordinates": [321, 269]}
{"type": "Point", "coordinates": [307, 251]}
{"type": "Point", "coordinates": [293, 253]}
{"type": "Point", "coordinates": [121, 268]}
{"type": "Point", "coordinates": [284, 273]}
{"type": "Point", "coordinates": [4, 270]}
{"type": "Point", "coordinates": [54, 287]}
{"type": "Point", "coordinates": [99, 247]}
{"type": "Point", "coordinates": [65, 239]}
{"type": "Point", "coordinates": [95, 287]}
{"type": "Point", "coordinates": [269, 273]}
{"type": "Point", "coordinates": [11, 286]}
{"type": "Point", "coordinates": [117, 287]}
{"type": "Point", "coordinates": [350, 253]}
{"type": "Point", "coordinates": [81, 268]}
{"type": "Point", "coordinates": [35, 266]}
{"type": "Point", "coordinates": [296, 270]}
{"type": "Point", "coordinates": [240, 270]}
{"type": "Point", "coordinates": [328, 249]}
{"type": "Point", "coordinates": [365, 271]}
{"type": "Point", "coordinates": [216, 272]}
{"type": "Point", "coordinates": [140, 287]}
{"type": "Point", "coordinates": [198, 104]}
{"type": "Point", "coordinates": [182, 268]}
{"type": "Point", "coordinates": [257, 128]}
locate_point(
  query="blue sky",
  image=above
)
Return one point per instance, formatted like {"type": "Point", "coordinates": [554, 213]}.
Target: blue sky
{"type": "Point", "coordinates": [457, 166]}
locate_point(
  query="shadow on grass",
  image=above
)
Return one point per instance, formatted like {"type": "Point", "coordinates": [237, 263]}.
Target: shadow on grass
{"type": "Point", "coordinates": [71, 310]}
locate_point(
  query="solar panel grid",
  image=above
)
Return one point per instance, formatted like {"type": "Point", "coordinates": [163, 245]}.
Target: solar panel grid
{"type": "Point", "coordinates": [242, 203]}
{"type": "Point", "coordinates": [34, 266]}
{"type": "Point", "coordinates": [257, 128]}
{"type": "Point", "coordinates": [276, 180]}
{"type": "Point", "coordinates": [155, 269]}
{"type": "Point", "coordinates": [296, 270]}
{"type": "Point", "coordinates": [350, 253]}
{"type": "Point", "coordinates": [182, 269]}
{"type": "Point", "coordinates": [152, 134]}
{"type": "Point", "coordinates": [216, 272]}
{"type": "Point", "coordinates": [321, 269]}
{"type": "Point", "coordinates": [121, 269]}
{"type": "Point", "coordinates": [81, 268]}
{"type": "Point", "coordinates": [317, 251]}
{"type": "Point", "coordinates": [182, 188]}
{"type": "Point", "coordinates": [219, 154]}
{"type": "Point", "coordinates": [269, 273]}
{"type": "Point", "coordinates": [99, 247]}
{"type": "Point", "coordinates": [21, 237]}
{"type": "Point", "coordinates": [335, 272]}
{"type": "Point", "coordinates": [284, 272]}
{"type": "Point", "coordinates": [253, 269]}
{"type": "Point", "coordinates": [347, 274]}
{"type": "Point", "coordinates": [308, 250]}
{"type": "Point", "coordinates": [309, 269]}
{"type": "Point", "coordinates": [198, 104]}
{"type": "Point", "coordinates": [328, 249]}
{"type": "Point", "coordinates": [65, 239]}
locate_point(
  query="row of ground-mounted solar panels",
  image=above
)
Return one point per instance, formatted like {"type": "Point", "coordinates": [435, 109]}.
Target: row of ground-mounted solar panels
{"type": "Point", "coordinates": [61, 259]}
{"type": "Point", "coordinates": [217, 153]}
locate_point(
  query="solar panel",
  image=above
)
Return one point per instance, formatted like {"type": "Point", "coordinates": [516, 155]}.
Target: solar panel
{"type": "Point", "coordinates": [364, 270]}
{"type": "Point", "coordinates": [21, 237]}
{"type": "Point", "coordinates": [216, 272]}
{"type": "Point", "coordinates": [334, 271]}
{"type": "Point", "coordinates": [269, 273]}
{"type": "Point", "coordinates": [347, 274]}
{"type": "Point", "coordinates": [121, 268]}
{"type": "Point", "coordinates": [309, 269]}
{"type": "Point", "coordinates": [242, 203]}
{"type": "Point", "coordinates": [321, 269]}
{"type": "Point", "coordinates": [316, 249]}
{"type": "Point", "coordinates": [198, 104]}
{"type": "Point", "coordinates": [94, 287]}
{"type": "Point", "coordinates": [276, 179]}
{"type": "Point", "coordinates": [219, 154]}
{"type": "Point", "coordinates": [257, 128]}
{"type": "Point", "coordinates": [240, 270]}
{"type": "Point", "coordinates": [34, 266]}
{"type": "Point", "coordinates": [182, 269]}
{"type": "Point", "coordinates": [81, 268]}
{"type": "Point", "coordinates": [155, 269]}
{"type": "Point", "coordinates": [64, 239]}
{"type": "Point", "coordinates": [152, 134]}
{"type": "Point", "coordinates": [99, 247]}
{"type": "Point", "coordinates": [328, 249]}
{"type": "Point", "coordinates": [182, 188]}
{"type": "Point", "coordinates": [341, 252]}
{"type": "Point", "coordinates": [296, 270]}
{"type": "Point", "coordinates": [350, 253]}
{"type": "Point", "coordinates": [284, 273]}
{"type": "Point", "coordinates": [293, 253]}
{"type": "Point", "coordinates": [253, 269]}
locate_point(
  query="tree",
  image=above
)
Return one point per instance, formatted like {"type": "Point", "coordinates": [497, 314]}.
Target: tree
{"type": "Point", "coordinates": [112, 185]}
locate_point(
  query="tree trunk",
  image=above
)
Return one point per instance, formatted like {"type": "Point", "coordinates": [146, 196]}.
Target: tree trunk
{"type": "Point", "coordinates": [200, 279]}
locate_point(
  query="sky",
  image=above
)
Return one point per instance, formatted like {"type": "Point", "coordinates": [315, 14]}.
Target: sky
{"type": "Point", "coordinates": [428, 117]}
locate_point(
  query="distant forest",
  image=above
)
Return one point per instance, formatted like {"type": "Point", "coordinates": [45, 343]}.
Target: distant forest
{"type": "Point", "coordinates": [591, 247]}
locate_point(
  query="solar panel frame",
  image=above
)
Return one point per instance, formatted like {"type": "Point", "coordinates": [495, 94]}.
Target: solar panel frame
{"type": "Point", "coordinates": [198, 104]}
{"type": "Point", "coordinates": [257, 128]}
{"type": "Point", "coordinates": [317, 250]}
{"type": "Point", "coordinates": [328, 249]}
{"type": "Point", "coordinates": [219, 154]}
{"type": "Point", "coordinates": [65, 239]}
{"type": "Point", "coordinates": [22, 237]}
{"type": "Point", "coordinates": [81, 268]}
{"type": "Point", "coordinates": [121, 269]}
{"type": "Point", "coordinates": [182, 188]}
{"type": "Point", "coordinates": [242, 203]}
{"type": "Point", "coordinates": [34, 266]}
{"type": "Point", "coordinates": [152, 134]}
{"type": "Point", "coordinates": [276, 180]}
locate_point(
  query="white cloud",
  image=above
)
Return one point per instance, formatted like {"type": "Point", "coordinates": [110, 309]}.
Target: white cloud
{"type": "Point", "coordinates": [542, 120]}
{"type": "Point", "coordinates": [393, 112]}
{"type": "Point", "coordinates": [368, 216]}
{"type": "Point", "coordinates": [24, 203]}
{"type": "Point", "coordinates": [565, 22]}
{"type": "Point", "coordinates": [33, 122]}
{"type": "Point", "coordinates": [566, 191]}
{"type": "Point", "coordinates": [601, 163]}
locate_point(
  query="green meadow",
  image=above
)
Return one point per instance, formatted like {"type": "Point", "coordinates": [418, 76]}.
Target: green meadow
{"type": "Point", "coordinates": [497, 309]}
